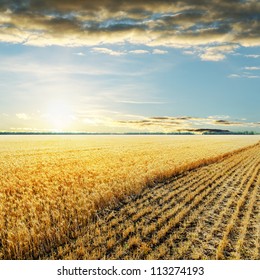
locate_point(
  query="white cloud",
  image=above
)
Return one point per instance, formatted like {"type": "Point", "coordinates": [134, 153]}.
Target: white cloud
{"type": "Point", "coordinates": [244, 75]}
{"type": "Point", "coordinates": [247, 74]}
{"type": "Point", "coordinates": [23, 116]}
{"type": "Point", "coordinates": [139, 52]}
{"type": "Point", "coordinates": [119, 53]}
{"type": "Point", "coordinates": [107, 51]}
{"type": "Point", "coordinates": [252, 68]}
{"type": "Point", "coordinates": [140, 102]}
{"type": "Point", "coordinates": [212, 56]}
{"type": "Point", "coordinates": [234, 76]}
{"type": "Point", "coordinates": [217, 53]}
{"type": "Point", "coordinates": [79, 54]}
{"type": "Point", "coordinates": [219, 117]}
{"type": "Point", "coordinates": [189, 52]}
{"type": "Point", "coordinates": [158, 51]}
{"type": "Point", "coordinates": [253, 55]}
{"type": "Point", "coordinates": [253, 77]}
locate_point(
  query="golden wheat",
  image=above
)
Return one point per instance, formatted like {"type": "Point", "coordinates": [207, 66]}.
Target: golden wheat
{"type": "Point", "coordinates": [183, 219]}
{"type": "Point", "coordinates": [51, 187]}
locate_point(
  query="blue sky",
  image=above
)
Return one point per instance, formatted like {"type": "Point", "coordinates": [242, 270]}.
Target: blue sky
{"type": "Point", "coordinates": [116, 66]}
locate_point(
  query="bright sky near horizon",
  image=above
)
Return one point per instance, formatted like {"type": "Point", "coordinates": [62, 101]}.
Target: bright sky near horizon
{"type": "Point", "coordinates": [118, 66]}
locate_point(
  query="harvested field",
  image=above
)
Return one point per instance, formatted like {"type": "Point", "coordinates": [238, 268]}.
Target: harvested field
{"type": "Point", "coordinates": [212, 212]}
{"type": "Point", "coordinates": [99, 198]}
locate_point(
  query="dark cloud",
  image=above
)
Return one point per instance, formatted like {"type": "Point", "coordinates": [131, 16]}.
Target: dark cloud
{"type": "Point", "coordinates": [185, 123]}
{"type": "Point", "coordinates": [172, 118]}
{"type": "Point", "coordinates": [159, 118]}
{"type": "Point", "coordinates": [185, 23]}
{"type": "Point", "coordinates": [225, 122]}
{"type": "Point", "coordinates": [210, 130]}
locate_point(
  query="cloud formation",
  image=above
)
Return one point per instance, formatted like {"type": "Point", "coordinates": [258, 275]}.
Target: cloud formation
{"type": "Point", "coordinates": [107, 51]}
{"type": "Point", "coordinates": [23, 116]}
{"type": "Point", "coordinates": [139, 52]}
{"type": "Point", "coordinates": [253, 55]}
{"type": "Point", "coordinates": [252, 68]}
{"type": "Point", "coordinates": [218, 26]}
{"type": "Point", "coordinates": [158, 51]}
{"type": "Point", "coordinates": [112, 52]}
{"type": "Point", "coordinates": [251, 72]}
{"type": "Point", "coordinates": [186, 123]}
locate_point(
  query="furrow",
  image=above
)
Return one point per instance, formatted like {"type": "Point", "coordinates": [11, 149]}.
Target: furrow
{"type": "Point", "coordinates": [164, 223]}
{"type": "Point", "coordinates": [221, 217]}
{"type": "Point", "coordinates": [195, 234]}
{"type": "Point", "coordinates": [220, 253]}
{"type": "Point", "coordinates": [251, 243]}
{"type": "Point", "coordinates": [178, 238]}
{"type": "Point", "coordinates": [244, 224]}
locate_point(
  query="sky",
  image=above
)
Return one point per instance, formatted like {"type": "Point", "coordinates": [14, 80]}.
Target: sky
{"type": "Point", "coordinates": [129, 66]}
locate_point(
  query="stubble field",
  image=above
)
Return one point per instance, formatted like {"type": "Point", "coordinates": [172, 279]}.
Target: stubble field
{"type": "Point", "coordinates": [163, 197]}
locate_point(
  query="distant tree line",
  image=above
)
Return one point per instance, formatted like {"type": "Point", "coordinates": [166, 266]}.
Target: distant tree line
{"type": "Point", "coordinates": [192, 132]}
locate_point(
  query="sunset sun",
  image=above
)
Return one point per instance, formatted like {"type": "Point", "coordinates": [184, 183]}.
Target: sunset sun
{"type": "Point", "coordinates": [59, 115]}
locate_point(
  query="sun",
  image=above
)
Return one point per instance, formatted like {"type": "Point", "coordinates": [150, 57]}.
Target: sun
{"type": "Point", "coordinates": [59, 115]}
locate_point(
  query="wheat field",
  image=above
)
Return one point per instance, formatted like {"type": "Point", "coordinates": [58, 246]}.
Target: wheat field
{"type": "Point", "coordinates": [136, 197]}
{"type": "Point", "coordinates": [209, 213]}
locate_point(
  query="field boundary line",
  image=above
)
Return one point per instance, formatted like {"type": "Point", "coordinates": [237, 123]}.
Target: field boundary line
{"type": "Point", "coordinates": [181, 170]}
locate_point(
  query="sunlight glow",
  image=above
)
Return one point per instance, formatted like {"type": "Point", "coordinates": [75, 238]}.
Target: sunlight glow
{"type": "Point", "coordinates": [59, 115]}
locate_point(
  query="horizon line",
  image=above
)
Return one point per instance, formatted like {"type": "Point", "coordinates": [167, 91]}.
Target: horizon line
{"type": "Point", "coordinates": [193, 132]}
